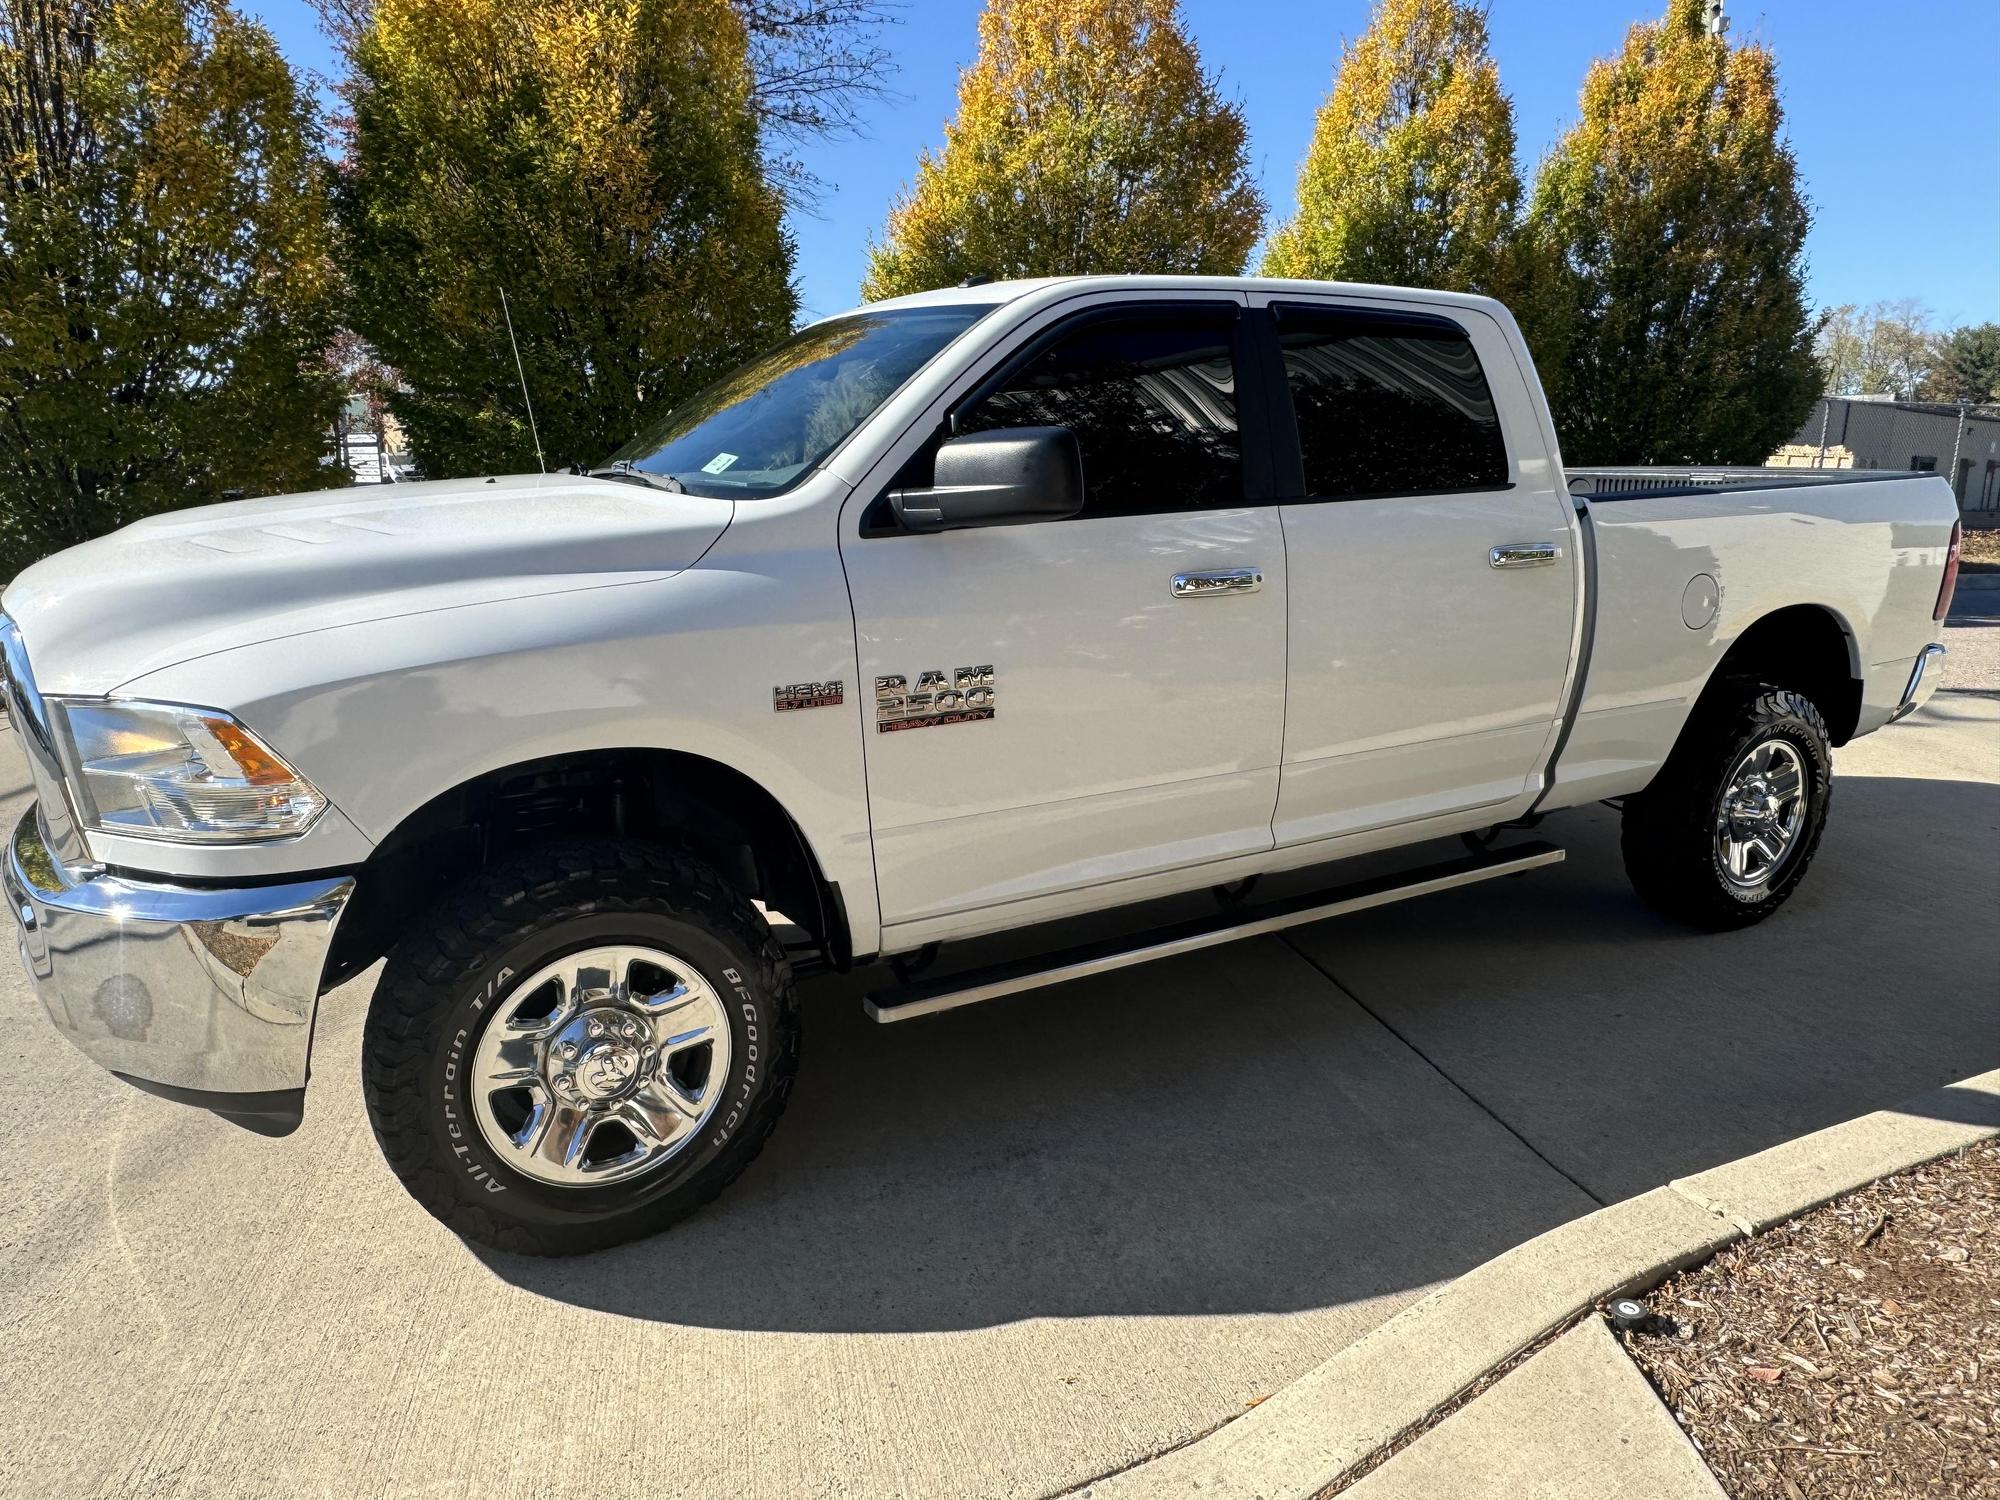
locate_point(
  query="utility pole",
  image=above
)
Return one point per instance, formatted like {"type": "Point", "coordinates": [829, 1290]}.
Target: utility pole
{"type": "Point", "coordinates": [1713, 18]}
{"type": "Point", "coordinates": [1825, 415]}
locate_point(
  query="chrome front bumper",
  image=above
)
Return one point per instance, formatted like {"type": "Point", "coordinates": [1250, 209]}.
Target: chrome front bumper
{"type": "Point", "coordinates": [201, 994]}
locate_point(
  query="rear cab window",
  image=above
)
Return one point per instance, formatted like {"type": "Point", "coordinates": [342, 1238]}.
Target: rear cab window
{"type": "Point", "coordinates": [1387, 403]}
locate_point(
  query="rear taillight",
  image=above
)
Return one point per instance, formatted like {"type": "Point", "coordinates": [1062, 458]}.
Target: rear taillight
{"type": "Point", "coordinates": [1950, 571]}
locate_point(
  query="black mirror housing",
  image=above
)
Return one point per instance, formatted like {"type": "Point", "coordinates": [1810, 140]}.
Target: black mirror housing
{"type": "Point", "coordinates": [1006, 477]}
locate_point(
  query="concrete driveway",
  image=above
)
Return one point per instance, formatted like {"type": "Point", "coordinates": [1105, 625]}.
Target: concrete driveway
{"type": "Point", "coordinates": [1005, 1250]}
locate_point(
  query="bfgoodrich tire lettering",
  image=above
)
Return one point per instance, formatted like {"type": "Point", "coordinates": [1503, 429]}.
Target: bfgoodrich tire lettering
{"type": "Point", "coordinates": [444, 982]}
{"type": "Point", "coordinates": [1671, 829]}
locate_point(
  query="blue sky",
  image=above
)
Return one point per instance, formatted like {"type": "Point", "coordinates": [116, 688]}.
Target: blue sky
{"type": "Point", "coordinates": [1890, 108]}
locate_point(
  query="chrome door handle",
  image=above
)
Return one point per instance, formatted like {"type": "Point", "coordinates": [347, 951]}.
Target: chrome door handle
{"type": "Point", "coordinates": [1524, 554]}
{"type": "Point", "coordinates": [1223, 581]}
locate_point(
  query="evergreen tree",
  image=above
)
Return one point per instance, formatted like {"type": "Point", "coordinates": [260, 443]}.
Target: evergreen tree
{"type": "Point", "coordinates": [1968, 365]}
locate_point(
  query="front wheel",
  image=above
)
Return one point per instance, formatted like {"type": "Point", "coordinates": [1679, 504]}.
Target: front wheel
{"type": "Point", "coordinates": [1725, 832]}
{"type": "Point", "coordinates": [581, 1046]}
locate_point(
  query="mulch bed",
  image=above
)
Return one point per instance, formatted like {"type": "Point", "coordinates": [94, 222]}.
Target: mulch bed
{"type": "Point", "coordinates": [1852, 1352]}
{"type": "Point", "coordinates": [1979, 552]}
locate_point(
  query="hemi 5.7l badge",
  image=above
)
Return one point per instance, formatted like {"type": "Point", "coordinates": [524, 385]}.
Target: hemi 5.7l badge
{"type": "Point", "coordinates": [807, 695]}
{"type": "Point", "coordinates": [966, 695]}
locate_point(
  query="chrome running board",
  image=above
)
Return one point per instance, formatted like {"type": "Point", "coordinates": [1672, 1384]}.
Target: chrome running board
{"type": "Point", "coordinates": [991, 983]}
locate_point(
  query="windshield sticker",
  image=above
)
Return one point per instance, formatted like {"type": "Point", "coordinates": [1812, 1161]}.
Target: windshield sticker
{"type": "Point", "coordinates": [718, 463]}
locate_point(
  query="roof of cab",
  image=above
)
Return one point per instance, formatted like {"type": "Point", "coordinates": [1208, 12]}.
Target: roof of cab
{"type": "Point", "coordinates": [1010, 291]}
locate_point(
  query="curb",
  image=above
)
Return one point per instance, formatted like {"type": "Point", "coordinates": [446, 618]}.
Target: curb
{"type": "Point", "coordinates": [1317, 1428]}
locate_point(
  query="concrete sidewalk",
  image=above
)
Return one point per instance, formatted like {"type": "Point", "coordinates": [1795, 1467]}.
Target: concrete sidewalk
{"type": "Point", "coordinates": [1576, 1421]}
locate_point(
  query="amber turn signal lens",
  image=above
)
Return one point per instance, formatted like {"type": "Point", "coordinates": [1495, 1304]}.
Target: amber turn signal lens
{"type": "Point", "coordinates": [258, 765]}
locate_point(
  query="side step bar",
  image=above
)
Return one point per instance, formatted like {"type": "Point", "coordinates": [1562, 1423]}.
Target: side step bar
{"type": "Point", "coordinates": [1203, 932]}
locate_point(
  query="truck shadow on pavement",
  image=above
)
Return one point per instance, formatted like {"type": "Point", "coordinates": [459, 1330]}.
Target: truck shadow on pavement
{"type": "Point", "coordinates": [1357, 1111]}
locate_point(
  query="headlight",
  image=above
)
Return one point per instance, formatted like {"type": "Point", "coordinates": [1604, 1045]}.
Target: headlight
{"type": "Point", "coordinates": [193, 775]}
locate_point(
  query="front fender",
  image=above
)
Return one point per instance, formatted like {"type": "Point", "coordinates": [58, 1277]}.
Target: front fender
{"type": "Point", "coordinates": [383, 716]}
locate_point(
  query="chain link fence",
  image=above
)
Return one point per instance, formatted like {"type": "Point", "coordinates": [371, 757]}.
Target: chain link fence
{"type": "Point", "coordinates": [1958, 440]}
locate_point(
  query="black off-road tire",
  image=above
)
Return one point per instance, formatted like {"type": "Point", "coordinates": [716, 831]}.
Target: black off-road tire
{"type": "Point", "coordinates": [1670, 828]}
{"type": "Point", "coordinates": [513, 918]}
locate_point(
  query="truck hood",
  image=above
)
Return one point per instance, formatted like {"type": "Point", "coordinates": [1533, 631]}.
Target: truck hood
{"type": "Point", "coordinates": [182, 585]}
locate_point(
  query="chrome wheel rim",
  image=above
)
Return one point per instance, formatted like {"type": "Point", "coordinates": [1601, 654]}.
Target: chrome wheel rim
{"type": "Point", "coordinates": [601, 1067]}
{"type": "Point", "coordinates": [1762, 809]}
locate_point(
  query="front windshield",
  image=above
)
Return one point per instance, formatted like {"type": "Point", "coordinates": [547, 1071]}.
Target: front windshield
{"type": "Point", "coordinates": [761, 430]}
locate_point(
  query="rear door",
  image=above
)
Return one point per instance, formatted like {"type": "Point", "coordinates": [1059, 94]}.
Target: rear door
{"type": "Point", "coordinates": [1123, 726]}
{"type": "Point", "coordinates": [1434, 585]}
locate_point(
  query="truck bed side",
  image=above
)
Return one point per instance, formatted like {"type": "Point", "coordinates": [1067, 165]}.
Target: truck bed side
{"type": "Point", "coordinates": [1862, 552]}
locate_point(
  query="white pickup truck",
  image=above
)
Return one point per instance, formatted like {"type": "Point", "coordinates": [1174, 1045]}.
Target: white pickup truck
{"type": "Point", "coordinates": [958, 613]}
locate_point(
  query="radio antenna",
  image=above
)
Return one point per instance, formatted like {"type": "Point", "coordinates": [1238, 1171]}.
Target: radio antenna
{"type": "Point", "coordinates": [533, 431]}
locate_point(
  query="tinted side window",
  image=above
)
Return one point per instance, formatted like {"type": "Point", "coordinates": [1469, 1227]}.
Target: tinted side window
{"type": "Point", "coordinates": [1152, 401]}
{"type": "Point", "coordinates": [1389, 404]}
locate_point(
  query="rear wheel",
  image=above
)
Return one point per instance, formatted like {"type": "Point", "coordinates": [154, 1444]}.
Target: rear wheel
{"type": "Point", "coordinates": [583, 1045]}
{"type": "Point", "coordinates": [1724, 834]}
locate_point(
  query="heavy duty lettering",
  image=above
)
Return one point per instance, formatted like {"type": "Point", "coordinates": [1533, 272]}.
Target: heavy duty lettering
{"type": "Point", "coordinates": [964, 697]}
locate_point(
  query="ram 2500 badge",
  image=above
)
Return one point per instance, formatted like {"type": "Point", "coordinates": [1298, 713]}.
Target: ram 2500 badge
{"type": "Point", "coordinates": [955, 614]}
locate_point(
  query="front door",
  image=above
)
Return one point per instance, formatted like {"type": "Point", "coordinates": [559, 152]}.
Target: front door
{"type": "Point", "coordinates": [1434, 577]}
{"type": "Point", "coordinates": [1050, 710]}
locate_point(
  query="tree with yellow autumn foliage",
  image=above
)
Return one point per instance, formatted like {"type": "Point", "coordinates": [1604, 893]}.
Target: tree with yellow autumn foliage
{"type": "Point", "coordinates": [166, 275]}
{"type": "Point", "coordinates": [813, 64]}
{"type": "Point", "coordinates": [600, 161]}
{"type": "Point", "coordinates": [1667, 230]}
{"type": "Point", "coordinates": [1410, 178]}
{"type": "Point", "coordinates": [1088, 139]}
